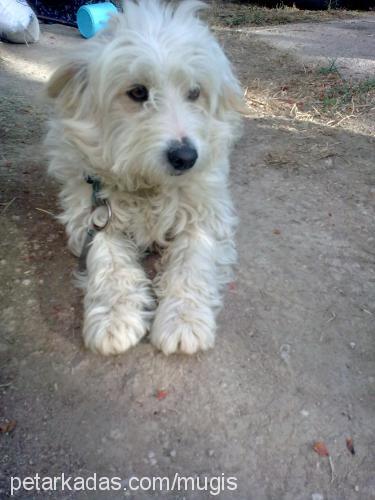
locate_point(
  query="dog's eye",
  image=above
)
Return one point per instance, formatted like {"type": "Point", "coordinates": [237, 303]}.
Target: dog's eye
{"type": "Point", "coordinates": [139, 93]}
{"type": "Point", "coordinates": [194, 94]}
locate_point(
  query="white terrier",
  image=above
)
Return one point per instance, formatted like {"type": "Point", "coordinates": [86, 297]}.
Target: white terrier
{"type": "Point", "coordinates": [147, 112]}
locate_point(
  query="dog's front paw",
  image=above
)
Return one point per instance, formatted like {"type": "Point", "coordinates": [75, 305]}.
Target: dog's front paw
{"type": "Point", "coordinates": [182, 327]}
{"type": "Point", "coordinates": [113, 331]}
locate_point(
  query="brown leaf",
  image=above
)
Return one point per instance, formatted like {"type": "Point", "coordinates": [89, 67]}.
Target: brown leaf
{"type": "Point", "coordinates": [161, 395]}
{"type": "Point", "coordinates": [321, 449]}
{"type": "Point", "coordinates": [350, 446]}
{"type": "Point", "coordinates": [6, 427]}
{"type": "Point", "coordinates": [276, 231]}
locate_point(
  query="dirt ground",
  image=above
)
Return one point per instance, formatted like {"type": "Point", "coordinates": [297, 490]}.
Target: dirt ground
{"type": "Point", "coordinates": [294, 358]}
{"type": "Point", "coordinates": [349, 42]}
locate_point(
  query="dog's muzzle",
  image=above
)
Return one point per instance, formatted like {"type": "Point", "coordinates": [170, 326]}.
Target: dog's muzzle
{"type": "Point", "coordinates": [182, 155]}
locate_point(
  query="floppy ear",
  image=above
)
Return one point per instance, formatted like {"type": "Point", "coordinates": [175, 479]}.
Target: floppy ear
{"type": "Point", "coordinates": [68, 81]}
{"type": "Point", "coordinates": [232, 99]}
{"type": "Point", "coordinates": [231, 95]}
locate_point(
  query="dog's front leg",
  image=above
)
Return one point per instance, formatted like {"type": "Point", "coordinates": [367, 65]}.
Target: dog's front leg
{"type": "Point", "coordinates": [118, 304]}
{"type": "Point", "coordinates": [188, 292]}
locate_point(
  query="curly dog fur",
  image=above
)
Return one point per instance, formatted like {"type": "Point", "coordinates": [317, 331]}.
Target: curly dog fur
{"type": "Point", "coordinates": [154, 83]}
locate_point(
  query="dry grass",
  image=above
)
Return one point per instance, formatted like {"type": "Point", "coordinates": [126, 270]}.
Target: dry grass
{"type": "Point", "coordinates": [228, 14]}
{"type": "Point", "coordinates": [315, 96]}
{"type": "Point", "coordinates": [278, 84]}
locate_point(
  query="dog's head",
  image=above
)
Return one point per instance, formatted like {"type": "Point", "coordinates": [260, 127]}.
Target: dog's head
{"type": "Point", "coordinates": [153, 96]}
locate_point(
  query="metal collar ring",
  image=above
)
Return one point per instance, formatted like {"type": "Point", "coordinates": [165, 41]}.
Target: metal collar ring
{"type": "Point", "coordinates": [109, 216]}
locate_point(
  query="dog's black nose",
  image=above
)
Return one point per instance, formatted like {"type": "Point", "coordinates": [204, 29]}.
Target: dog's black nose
{"type": "Point", "coordinates": [182, 155]}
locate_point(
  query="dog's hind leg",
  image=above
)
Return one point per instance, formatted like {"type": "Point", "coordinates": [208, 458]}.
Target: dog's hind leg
{"type": "Point", "coordinates": [118, 303]}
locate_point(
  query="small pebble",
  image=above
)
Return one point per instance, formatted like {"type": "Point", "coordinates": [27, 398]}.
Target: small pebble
{"type": "Point", "coordinates": [317, 496]}
{"type": "Point", "coordinates": [284, 352]}
{"type": "Point", "coordinates": [329, 162]}
{"type": "Point", "coordinates": [211, 453]}
{"type": "Point", "coordinates": [356, 488]}
{"type": "Point", "coordinates": [305, 413]}
{"type": "Point", "coordinates": [172, 453]}
{"type": "Point", "coordinates": [116, 434]}
{"type": "Point", "coordinates": [26, 282]}
{"type": "Point", "coordinates": [352, 345]}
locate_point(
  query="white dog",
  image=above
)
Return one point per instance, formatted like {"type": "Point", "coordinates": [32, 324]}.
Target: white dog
{"type": "Point", "coordinates": [149, 109]}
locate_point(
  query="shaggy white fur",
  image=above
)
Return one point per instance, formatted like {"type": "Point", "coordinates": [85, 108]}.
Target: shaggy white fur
{"type": "Point", "coordinates": [153, 78]}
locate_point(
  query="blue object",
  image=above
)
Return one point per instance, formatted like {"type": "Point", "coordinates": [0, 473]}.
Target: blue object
{"type": "Point", "coordinates": [92, 18]}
